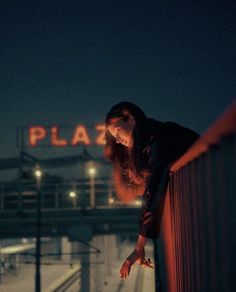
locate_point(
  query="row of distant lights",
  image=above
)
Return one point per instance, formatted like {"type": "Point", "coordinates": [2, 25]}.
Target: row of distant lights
{"type": "Point", "coordinates": [111, 200]}
{"type": "Point", "coordinates": [92, 172]}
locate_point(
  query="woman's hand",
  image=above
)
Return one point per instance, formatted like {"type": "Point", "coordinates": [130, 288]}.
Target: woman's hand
{"type": "Point", "coordinates": [146, 263]}
{"type": "Point", "coordinates": [138, 255]}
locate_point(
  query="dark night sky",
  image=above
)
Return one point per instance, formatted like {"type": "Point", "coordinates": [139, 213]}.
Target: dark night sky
{"type": "Point", "coordinates": [65, 62]}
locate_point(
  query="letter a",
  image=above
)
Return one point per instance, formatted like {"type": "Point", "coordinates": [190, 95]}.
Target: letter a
{"type": "Point", "coordinates": [80, 136]}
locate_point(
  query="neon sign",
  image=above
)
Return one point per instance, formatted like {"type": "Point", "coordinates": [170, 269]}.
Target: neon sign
{"type": "Point", "coordinates": [56, 136]}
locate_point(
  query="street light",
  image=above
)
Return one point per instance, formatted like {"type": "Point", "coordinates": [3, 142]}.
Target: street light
{"type": "Point", "coordinates": [72, 195]}
{"type": "Point", "coordinates": [110, 196]}
{"type": "Point", "coordinates": [111, 200]}
{"type": "Point", "coordinates": [38, 173]}
{"type": "Point", "coordinates": [38, 176]}
{"type": "Point", "coordinates": [92, 172]}
{"type": "Point", "coordinates": [138, 203]}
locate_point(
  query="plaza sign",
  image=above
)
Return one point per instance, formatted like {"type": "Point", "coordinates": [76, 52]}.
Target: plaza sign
{"type": "Point", "coordinates": [56, 136]}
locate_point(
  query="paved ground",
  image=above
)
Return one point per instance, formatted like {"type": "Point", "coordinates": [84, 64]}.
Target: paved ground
{"type": "Point", "coordinates": [140, 279]}
{"type": "Point", "coordinates": [23, 280]}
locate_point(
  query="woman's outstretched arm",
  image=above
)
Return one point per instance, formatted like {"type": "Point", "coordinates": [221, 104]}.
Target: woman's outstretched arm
{"type": "Point", "coordinates": [150, 214]}
{"type": "Point", "coordinates": [138, 255]}
{"type": "Point", "coordinates": [140, 242]}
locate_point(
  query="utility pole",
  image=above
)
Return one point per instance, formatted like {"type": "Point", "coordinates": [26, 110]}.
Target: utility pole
{"type": "Point", "coordinates": [38, 175]}
{"type": "Point", "coordinates": [92, 172]}
{"type": "Point", "coordinates": [20, 177]}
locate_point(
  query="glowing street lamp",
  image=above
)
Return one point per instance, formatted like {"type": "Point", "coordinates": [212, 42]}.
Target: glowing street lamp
{"type": "Point", "coordinates": [92, 172]}
{"type": "Point", "coordinates": [111, 200]}
{"type": "Point", "coordinates": [138, 203]}
{"type": "Point", "coordinates": [38, 175]}
{"type": "Point", "coordinates": [72, 194]}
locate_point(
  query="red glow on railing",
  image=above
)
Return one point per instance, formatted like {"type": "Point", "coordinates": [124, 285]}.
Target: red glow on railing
{"type": "Point", "coordinates": [224, 126]}
{"type": "Point", "coordinates": [197, 229]}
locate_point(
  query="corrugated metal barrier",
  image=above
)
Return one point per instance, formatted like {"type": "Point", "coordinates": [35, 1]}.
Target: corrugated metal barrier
{"type": "Point", "coordinates": [197, 245]}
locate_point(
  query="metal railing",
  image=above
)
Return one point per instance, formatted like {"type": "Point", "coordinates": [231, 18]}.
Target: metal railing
{"type": "Point", "coordinates": [198, 234]}
{"type": "Point", "coordinates": [56, 194]}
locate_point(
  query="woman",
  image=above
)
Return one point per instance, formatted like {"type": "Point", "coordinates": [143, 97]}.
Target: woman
{"type": "Point", "coordinates": [142, 151]}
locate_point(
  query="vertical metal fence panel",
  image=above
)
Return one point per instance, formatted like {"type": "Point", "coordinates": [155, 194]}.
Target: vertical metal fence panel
{"type": "Point", "coordinates": [190, 230]}
{"type": "Point", "coordinates": [202, 192]}
{"type": "Point", "coordinates": [229, 154]}
{"type": "Point", "coordinates": [172, 231]}
{"type": "Point", "coordinates": [182, 231]}
{"type": "Point", "coordinates": [217, 175]}
{"type": "Point", "coordinates": [178, 231]}
{"type": "Point", "coordinates": [202, 227]}
{"type": "Point", "coordinates": [196, 239]}
{"type": "Point", "coordinates": [211, 232]}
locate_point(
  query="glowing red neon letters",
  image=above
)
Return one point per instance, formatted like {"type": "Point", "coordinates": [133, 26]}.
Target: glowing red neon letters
{"type": "Point", "coordinates": [80, 135]}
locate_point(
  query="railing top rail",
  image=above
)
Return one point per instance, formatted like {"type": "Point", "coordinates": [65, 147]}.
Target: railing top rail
{"type": "Point", "coordinates": [76, 183]}
{"type": "Point", "coordinates": [225, 125]}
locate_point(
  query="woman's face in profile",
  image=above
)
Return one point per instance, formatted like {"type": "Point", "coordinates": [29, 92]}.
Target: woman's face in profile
{"type": "Point", "coordinates": [122, 131]}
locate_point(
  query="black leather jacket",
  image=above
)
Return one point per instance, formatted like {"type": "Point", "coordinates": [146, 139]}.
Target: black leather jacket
{"type": "Point", "coordinates": [167, 142]}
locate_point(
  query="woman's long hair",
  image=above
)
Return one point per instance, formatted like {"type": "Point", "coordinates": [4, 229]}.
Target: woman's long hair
{"type": "Point", "coordinates": [129, 171]}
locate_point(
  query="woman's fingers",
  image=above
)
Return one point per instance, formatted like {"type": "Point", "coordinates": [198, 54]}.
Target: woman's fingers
{"type": "Point", "coordinates": [148, 263]}
{"type": "Point", "coordinates": [125, 269]}
{"type": "Point", "coordinates": [145, 263]}
{"type": "Point", "coordinates": [124, 272]}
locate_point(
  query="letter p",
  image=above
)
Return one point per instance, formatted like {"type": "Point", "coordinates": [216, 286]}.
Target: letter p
{"type": "Point", "coordinates": [36, 134]}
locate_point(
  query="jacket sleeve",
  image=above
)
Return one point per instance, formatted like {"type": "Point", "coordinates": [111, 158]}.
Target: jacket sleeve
{"type": "Point", "coordinates": [174, 141]}
{"type": "Point", "coordinates": [154, 196]}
